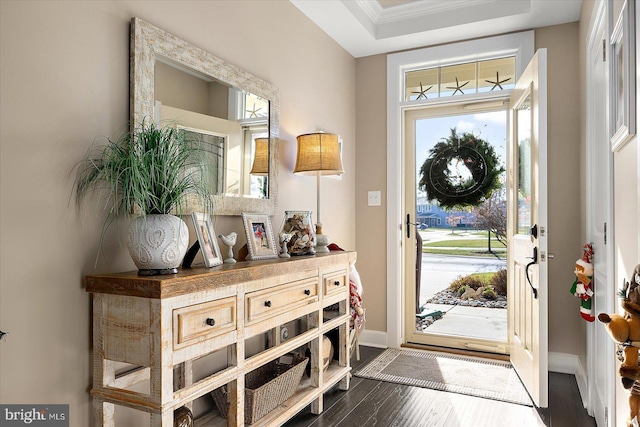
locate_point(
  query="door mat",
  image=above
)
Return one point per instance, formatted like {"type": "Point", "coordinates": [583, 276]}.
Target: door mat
{"type": "Point", "coordinates": [474, 376]}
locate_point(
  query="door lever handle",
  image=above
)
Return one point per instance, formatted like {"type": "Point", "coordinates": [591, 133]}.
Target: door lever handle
{"type": "Point", "coordinates": [534, 259]}
{"type": "Point", "coordinates": [408, 224]}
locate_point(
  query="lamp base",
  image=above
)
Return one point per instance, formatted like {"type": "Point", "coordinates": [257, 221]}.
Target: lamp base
{"type": "Point", "coordinates": [322, 241]}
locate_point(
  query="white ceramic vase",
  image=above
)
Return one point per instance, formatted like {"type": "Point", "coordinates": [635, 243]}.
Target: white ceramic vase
{"type": "Point", "coordinates": [157, 243]}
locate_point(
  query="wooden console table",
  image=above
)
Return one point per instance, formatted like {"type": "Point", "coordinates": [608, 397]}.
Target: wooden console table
{"type": "Point", "coordinates": [160, 325]}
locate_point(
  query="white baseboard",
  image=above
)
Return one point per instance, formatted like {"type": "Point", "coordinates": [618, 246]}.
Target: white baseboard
{"type": "Point", "coordinates": [570, 364]}
{"type": "Point", "coordinates": [373, 339]}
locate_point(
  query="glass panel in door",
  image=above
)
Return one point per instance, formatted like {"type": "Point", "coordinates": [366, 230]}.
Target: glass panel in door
{"type": "Point", "coordinates": [523, 118]}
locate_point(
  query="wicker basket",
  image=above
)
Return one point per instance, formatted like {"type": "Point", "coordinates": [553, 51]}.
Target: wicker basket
{"type": "Point", "coordinates": [265, 388]}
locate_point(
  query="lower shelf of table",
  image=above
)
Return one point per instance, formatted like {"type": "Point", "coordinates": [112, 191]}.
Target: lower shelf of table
{"type": "Point", "coordinates": [304, 395]}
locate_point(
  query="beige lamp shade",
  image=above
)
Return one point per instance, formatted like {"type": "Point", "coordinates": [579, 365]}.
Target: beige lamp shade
{"type": "Point", "coordinates": [261, 158]}
{"type": "Point", "coordinates": [318, 153]}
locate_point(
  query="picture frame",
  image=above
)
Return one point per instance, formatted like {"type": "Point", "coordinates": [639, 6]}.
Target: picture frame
{"type": "Point", "coordinates": [207, 239]}
{"type": "Point", "coordinates": [623, 77]}
{"type": "Point", "coordinates": [260, 241]}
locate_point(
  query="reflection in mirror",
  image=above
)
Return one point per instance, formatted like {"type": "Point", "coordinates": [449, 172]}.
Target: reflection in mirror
{"type": "Point", "coordinates": [231, 112]}
{"type": "Point", "coordinates": [229, 117]}
{"type": "Point", "coordinates": [260, 168]}
{"type": "Point", "coordinates": [214, 146]}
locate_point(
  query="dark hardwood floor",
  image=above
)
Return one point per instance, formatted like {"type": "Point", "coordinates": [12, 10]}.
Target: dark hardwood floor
{"type": "Point", "coordinates": [377, 403]}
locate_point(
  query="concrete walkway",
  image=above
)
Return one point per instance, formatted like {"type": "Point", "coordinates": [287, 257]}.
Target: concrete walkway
{"type": "Point", "coordinates": [471, 322]}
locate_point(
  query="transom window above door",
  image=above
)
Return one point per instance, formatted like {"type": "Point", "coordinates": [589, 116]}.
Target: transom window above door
{"type": "Point", "coordinates": [460, 79]}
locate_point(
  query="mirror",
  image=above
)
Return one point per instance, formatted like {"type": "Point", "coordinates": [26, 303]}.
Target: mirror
{"type": "Point", "coordinates": [225, 107]}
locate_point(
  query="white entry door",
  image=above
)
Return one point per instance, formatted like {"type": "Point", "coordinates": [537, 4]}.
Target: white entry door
{"type": "Point", "coordinates": [527, 229]}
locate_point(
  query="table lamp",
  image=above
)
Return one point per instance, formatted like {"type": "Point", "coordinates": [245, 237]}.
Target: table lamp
{"type": "Point", "coordinates": [319, 154]}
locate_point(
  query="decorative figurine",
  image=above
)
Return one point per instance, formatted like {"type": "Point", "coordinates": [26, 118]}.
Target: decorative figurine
{"type": "Point", "coordinates": [624, 329]}
{"type": "Point", "coordinates": [582, 286]}
{"type": "Point", "coordinates": [284, 239]}
{"type": "Point", "coordinates": [229, 240]}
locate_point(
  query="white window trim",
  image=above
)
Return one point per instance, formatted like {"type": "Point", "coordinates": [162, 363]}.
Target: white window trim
{"type": "Point", "coordinates": [519, 44]}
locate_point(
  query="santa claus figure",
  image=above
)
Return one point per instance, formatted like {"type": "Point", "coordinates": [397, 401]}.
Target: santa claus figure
{"type": "Point", "coordinates": [583, 287]}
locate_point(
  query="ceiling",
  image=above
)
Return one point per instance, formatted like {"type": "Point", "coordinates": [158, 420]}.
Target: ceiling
{"type": "Point", "coordinates": [369, 27]}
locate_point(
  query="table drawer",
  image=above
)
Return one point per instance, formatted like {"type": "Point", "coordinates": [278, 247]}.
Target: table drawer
{"type": "Point", "coordinates": [271, 302]}
{"type": "Point", "coordinates": [335, 282]}
{"type": "Point", "coordinates": [203, 321]}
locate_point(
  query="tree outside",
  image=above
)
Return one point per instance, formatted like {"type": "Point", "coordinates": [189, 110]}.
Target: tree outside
{"type": "Point", "coordinates": [491, 216]}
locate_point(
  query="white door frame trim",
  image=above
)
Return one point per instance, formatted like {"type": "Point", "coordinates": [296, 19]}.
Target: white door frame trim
{"type": "Point", "coordinates": [520, 44]}
{"type": "Point", "coordinates": [600, 18]}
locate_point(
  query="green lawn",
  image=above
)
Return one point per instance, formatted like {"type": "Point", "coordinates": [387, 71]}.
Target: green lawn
{"type": "Point", "coordinates": [465, 252]}
{"type": "Point", "coordinates": [466, 243]}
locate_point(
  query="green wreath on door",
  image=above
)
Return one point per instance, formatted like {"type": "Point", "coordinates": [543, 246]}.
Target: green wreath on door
{"type": "Point", "coordinates": [461, 171]}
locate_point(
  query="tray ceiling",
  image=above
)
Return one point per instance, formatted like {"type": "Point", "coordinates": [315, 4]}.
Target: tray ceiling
{"type": "Point", "coordinates": [369, 27]}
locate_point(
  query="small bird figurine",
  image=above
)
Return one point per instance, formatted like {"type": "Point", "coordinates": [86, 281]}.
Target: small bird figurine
{"type": "Point", "coordinates": [284, 239]}
{"type": "Point", "coordinates": [229, 240]}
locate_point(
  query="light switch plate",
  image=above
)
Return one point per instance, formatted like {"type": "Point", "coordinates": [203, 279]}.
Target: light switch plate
{"type": "Point", "coordinates": [374, 198]}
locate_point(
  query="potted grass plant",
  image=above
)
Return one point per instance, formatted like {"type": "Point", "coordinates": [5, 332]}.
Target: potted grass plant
{"type": "Point", "coordinates": [152, 172]}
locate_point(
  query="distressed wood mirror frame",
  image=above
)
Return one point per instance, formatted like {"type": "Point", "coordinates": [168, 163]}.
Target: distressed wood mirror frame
{"type": "Point", "coordinates": [148, 44]}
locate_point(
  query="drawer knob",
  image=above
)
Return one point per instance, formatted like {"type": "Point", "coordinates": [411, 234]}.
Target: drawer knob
{"type": "Point", "coordinates": [337, 283]}
{"type": "Point", "coordinates": [307, 292]}
{"type": "Point", "coordinates": [267, 303]}
{"type": "Point", "coordinates": [210, 321]}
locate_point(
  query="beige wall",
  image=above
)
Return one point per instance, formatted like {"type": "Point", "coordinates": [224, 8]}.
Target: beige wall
{"type": "Point", "coordinates": [371, 174]}
{"type": "Point", "coordinates": [566, 330]}
{"type": "Point", "coordinates": [64, 80]}
{"type": "Point", "coordinates": [566, 327]}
